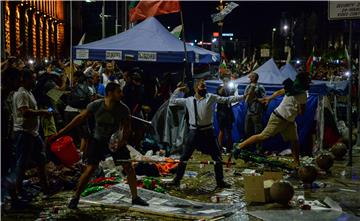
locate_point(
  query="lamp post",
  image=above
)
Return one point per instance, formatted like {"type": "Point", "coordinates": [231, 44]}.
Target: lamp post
{"type": "Point", "coordinates": [103, 18]}
{"type": "Point", "coordinates": [272, 42]}
{"type": "Point", "coordinates": [285, 28]}
{"type": "Point", "coordinates": [117, 15]}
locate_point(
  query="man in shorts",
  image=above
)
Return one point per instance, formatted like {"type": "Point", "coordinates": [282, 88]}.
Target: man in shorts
{"type": "Point", "coordinates": [111, 115]}
{"type": "Point", "coordinates": [282, 120]}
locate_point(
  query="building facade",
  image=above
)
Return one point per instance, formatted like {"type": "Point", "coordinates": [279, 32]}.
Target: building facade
{"type": "Point", "coordinates": [33, 28]}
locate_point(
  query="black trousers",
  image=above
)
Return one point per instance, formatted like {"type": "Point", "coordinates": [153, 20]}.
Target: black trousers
{"type": "Point", "coordinates": [206, 142]}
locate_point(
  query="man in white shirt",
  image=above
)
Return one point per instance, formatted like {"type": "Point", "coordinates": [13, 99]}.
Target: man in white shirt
{"type": "Point", "coordinates": [28, 144]}
{"type": "Point", "coordinates": [282, 120]}
{"type": "Point", "coordinates": [109, 76]}
{"type": "Point", "coordinates": [201, 135]}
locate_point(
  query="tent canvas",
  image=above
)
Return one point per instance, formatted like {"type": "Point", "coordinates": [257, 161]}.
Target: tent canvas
{"type": "Point", "coordinates": [268, 74]}
{"type": "Point", "coordinates": [288, 70]}
{"type": "Point", "coordinates": [272, 79]}
{"type": "Point", "coordinates": [149, 41]}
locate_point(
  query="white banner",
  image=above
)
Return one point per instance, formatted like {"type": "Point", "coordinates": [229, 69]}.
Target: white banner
{"type": "Point", "coordinates": [221, 15]}
{"type": "Point", "coordinates": [197, 58]}
{"type": "Point", "coordinates": [82, 54]}
{"type": "Point", "coordinates": [113, 55]}
{"type": "Point", "coordinates": [146, 56]}
{"type": "Point", "coordinates": [264, 52]}
{"type": "Point", "coordinates": [344, 10]}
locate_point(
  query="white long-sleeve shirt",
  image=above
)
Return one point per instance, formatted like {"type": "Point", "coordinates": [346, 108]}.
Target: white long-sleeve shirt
{"type": "Point", "coordinates": [204, 107]}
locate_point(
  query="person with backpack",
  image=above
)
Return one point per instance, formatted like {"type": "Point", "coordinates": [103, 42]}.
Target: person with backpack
{"type": "Point", "coordinates": [111, 116]}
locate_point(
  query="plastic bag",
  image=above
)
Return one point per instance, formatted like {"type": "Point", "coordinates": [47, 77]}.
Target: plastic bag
{"type": "Point", "coordinates": [114, 140]}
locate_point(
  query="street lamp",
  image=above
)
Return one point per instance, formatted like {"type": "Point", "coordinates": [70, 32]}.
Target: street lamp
{"type": "Point", "coordinates": [285, 28]}
{"type": "Point", "coordinates": [272, 42]}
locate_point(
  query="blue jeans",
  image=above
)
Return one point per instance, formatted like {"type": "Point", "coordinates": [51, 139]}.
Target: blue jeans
{"type": "Point", "coordinates": [29, 149]}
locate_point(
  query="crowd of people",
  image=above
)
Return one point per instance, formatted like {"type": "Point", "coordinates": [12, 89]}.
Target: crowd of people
{"type": "Point", "coordinates": [43, 102]}
{"type": "Point", "coordinates": [39, 99]}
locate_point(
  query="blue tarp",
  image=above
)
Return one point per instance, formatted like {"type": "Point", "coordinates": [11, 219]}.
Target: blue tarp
{"type": "Point", "coordinates": [305, 124]}
{"type": "Point", "coordinates": [289, 71]}
{"type": "Point", "coordinates": [272, 80]}
{"type": "Point", "coordinates": [148, 41]}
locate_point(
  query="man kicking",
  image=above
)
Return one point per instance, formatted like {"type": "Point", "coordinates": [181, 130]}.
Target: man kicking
{"type": "Point", "coordinates": [110, 116]}
{"type": "Point", "coordinates": [282, 120]}
{"type": "Point", "coordinates": [201, 134]}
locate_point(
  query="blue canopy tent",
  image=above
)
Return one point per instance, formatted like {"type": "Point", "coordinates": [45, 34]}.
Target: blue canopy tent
{"type": "Point", "coordinates": [271, 78]}
{"type": "Point", "coordinates": [289, 71]}
{"type": "Point", "coordinates": [149, 41]}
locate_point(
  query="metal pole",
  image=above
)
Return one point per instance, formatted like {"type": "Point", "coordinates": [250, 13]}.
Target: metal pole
{"type": "Point", "coordinates": [272, 43]}
{"type": "Point", "coordinates": [117, 16]}
{"type": "Point", "coordinates": [71, 44]}
{"type": "Point", "coordinates": [176, 161]}
{"type": "Point", "coordinates": [349, 110]}
{"type": "Point", "coordinates": [221, 7]}
{"type": "Point", "coordinates": [103, 19]}
{"type": "Point", "coordinates": [126, 15]}
{"type": "Point", "coordinates": [358, 101]}
{"type": "Point", "coordinates": [185, 51]}
{"type": "Point", "coordinates": [202, 34]}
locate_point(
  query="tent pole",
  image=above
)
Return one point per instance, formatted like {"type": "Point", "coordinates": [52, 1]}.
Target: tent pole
{"type": "Point", "coordinates": [184, 42]}
{"type": "Point", "coordinates": [322, 124]}
{"type": "Point", "coordinates": [71, 44]}
{"type": "Point", "coordinates": [358, 102]}
{"type": "Point", "coordinates": [349, 111]}
{"type": "Point", "coordinates": [335, 108]}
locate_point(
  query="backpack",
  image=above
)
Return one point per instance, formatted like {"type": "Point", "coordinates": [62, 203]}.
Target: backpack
{"type": "Point", "coordinates": [80, 96]}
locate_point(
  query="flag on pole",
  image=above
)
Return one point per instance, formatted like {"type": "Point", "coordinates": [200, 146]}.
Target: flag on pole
{"type": "Point", "coordinates": [177, 31]}
{"type": "Point", "coordinates": [223, 68]}
{"type": "Point", "coordinates": [140, 10]}
{"type": "Point", "coordinates": [310, 63]}
{"type": "Point", "coordinates": [221, 15]}
{"type": "Point", "coordinates": [82, 39]}
{"type": "Point", "coordinates": [244, 60]}
{"type": "Point", "coordinates": [255, 66]}
{"type": "Point", "coordinates": [288, 57]}
{"type": "Point", "coordinates": [253, 58]}
{"type": "Point", "coordinates": [223, 57]}
{"type": "Point", "coordinates": [347, 55]}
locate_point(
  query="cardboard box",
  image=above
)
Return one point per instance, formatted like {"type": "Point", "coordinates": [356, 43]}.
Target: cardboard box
{"type": "Point", "coordinates": [257, 188]}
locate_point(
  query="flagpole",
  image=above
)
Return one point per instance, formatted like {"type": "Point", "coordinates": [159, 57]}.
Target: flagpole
{"type": "Point", "coordinates": [71, 44]}
{"type": "Point", "coordinates": [349, 111]}
{"type": "Point", "coordinates": [358, 101]}
{"type": "Point", "coordinates": [184, 43]}
{"type": "Point", "coordinates": [202, 34]}
{"type": "Point", "coordinates": [221, 23]}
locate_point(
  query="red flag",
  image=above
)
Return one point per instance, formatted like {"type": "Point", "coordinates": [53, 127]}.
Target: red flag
{"type": "Point", "coordinates": [310, 63]}
{"type": "Point", "coordinates": [145, 9]}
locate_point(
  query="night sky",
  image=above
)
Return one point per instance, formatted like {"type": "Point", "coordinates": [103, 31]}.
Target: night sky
{"type": "Point", "coordinates": [253, 20]}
